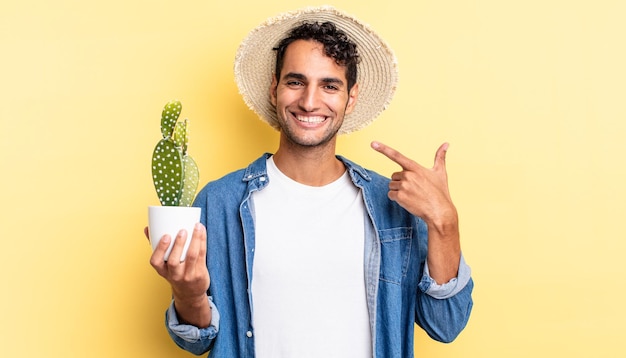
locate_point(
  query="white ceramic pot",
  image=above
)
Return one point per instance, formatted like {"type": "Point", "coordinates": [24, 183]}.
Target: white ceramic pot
{"type": "Point", "coordinates": [170, 220]}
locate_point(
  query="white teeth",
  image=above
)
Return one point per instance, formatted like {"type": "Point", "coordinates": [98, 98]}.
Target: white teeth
{"type": "Point", "coordinates": [308, 119]}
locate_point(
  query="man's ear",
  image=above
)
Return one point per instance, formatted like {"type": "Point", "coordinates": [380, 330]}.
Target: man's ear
{"type": "Point", "coordinates": [352, 98]}
{"type": "Point", "coordinates": [273, 87]}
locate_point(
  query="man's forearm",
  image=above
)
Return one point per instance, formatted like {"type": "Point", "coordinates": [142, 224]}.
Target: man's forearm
{"type": "Point", "coordinates": [195, 312]}
{"type": "Point", "coordinates": [444, 249]}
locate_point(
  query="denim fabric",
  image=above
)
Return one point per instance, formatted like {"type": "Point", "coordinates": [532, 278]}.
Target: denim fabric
{"type": "Point", "coordinates": [399, 291]}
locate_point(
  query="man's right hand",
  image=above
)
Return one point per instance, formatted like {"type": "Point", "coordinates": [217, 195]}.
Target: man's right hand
{"type": "Point", "coordinates": [189, 279]}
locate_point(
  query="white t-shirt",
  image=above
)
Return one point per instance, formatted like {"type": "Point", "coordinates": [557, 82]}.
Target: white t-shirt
{"type": "Point", "coordinates": [308, 284]}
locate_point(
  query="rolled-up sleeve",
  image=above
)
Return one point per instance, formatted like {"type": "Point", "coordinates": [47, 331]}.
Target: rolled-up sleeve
{"type": "Point", "coordinates": [191, 338]}
{"type": "Point", "coordinates": [430, 287]}
{"type": "Point", "coordinates": [444, 310]}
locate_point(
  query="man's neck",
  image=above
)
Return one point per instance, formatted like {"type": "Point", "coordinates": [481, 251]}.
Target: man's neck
{"type": "Point", "coordinates": [313, 166]}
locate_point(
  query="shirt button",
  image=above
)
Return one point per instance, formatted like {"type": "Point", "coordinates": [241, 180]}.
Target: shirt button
{"type": "Point", "coordinates": [249, 334]}
{"type": "Point", "coordinates": [262, 178]}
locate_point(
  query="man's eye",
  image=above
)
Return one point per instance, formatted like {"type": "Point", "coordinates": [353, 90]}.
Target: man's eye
{"type": "Point", "coordinates": [331, 88]}
{"type": "Point", "coordinates": [294, 83]}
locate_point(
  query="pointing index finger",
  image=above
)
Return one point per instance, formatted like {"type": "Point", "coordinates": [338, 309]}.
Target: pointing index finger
{"type": "Point", "coordinates": [394, 155]}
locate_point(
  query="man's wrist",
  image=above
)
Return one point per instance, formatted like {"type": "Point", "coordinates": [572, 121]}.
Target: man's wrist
{"type": "Point", "coordinates": [190, 301]}
{"type": "Point", "coordinates": [445, 225]}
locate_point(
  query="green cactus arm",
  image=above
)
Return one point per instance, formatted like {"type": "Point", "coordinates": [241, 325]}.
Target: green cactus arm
{"type": "Point", "coordinates": [181, 136]}
{"type": "Point", "coordinates": [169, 117]}
{"type": "Point", "coordinates": [168, 172]}
{"type": "Point", "coordinates": [192, 177]}
{"type": "Point", "coordinates": [174, 173]}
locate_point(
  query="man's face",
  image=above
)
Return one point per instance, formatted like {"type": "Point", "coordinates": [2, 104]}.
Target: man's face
{"type": "Point", "coordinates": [311, 97]}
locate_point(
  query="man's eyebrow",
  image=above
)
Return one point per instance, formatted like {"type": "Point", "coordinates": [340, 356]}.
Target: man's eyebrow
{"type": "Point", "coordinates": [301, 77]}
{"type": "Point", "coordinates": [333, 80]}
{"type": "Point", "coordinates": [294, 75]}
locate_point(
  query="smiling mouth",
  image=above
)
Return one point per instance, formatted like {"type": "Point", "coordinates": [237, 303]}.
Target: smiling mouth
{"type": "Point", "coordinates": [311, 119]}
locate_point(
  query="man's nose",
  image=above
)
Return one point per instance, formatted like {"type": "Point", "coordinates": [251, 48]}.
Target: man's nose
{"type": "Point", "coordinates": [309, 101]}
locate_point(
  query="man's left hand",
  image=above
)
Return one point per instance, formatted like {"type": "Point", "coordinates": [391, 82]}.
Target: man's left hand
{"type": "Point", "coordinates": [421, 191]}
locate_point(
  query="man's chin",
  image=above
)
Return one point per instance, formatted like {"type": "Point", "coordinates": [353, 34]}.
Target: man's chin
{"type": "Point", "coordinates": [308, 140]}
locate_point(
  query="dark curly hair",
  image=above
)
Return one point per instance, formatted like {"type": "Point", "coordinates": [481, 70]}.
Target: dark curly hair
{"type": "Point", "coordinates": [336, 44]}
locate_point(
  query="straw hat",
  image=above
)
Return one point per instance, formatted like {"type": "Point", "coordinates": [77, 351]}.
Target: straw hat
{"type": "Point", "coordinates": [377, 70]}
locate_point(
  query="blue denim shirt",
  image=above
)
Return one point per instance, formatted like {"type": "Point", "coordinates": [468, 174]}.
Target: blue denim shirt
{"type": "Point", "coordinates": [399, 290]}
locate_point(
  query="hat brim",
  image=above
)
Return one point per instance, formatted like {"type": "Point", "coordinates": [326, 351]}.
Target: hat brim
{"type": "Point", "coordinates": [377, 71]}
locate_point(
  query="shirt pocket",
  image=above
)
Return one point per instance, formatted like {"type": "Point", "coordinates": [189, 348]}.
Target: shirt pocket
{"type": "Point", "coordinates": [395, 251]}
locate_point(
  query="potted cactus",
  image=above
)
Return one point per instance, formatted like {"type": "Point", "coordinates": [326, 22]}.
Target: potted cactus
{"type": "Point", "coordinates": [175, 176]}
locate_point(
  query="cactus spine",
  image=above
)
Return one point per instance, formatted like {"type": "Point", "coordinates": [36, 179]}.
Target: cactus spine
{"type": "Point", "coordinates": [174, 172]}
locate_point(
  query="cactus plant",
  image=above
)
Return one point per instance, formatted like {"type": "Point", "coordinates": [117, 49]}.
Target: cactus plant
{"type": "Point", "coordinates": [174, 172]}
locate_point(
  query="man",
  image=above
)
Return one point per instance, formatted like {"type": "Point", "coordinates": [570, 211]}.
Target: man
{"type": "Point", "coordinates": [306, 254]}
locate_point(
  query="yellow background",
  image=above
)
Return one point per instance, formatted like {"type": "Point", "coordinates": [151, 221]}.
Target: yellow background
{"type": "Point", "coordinates": [530, 94]}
